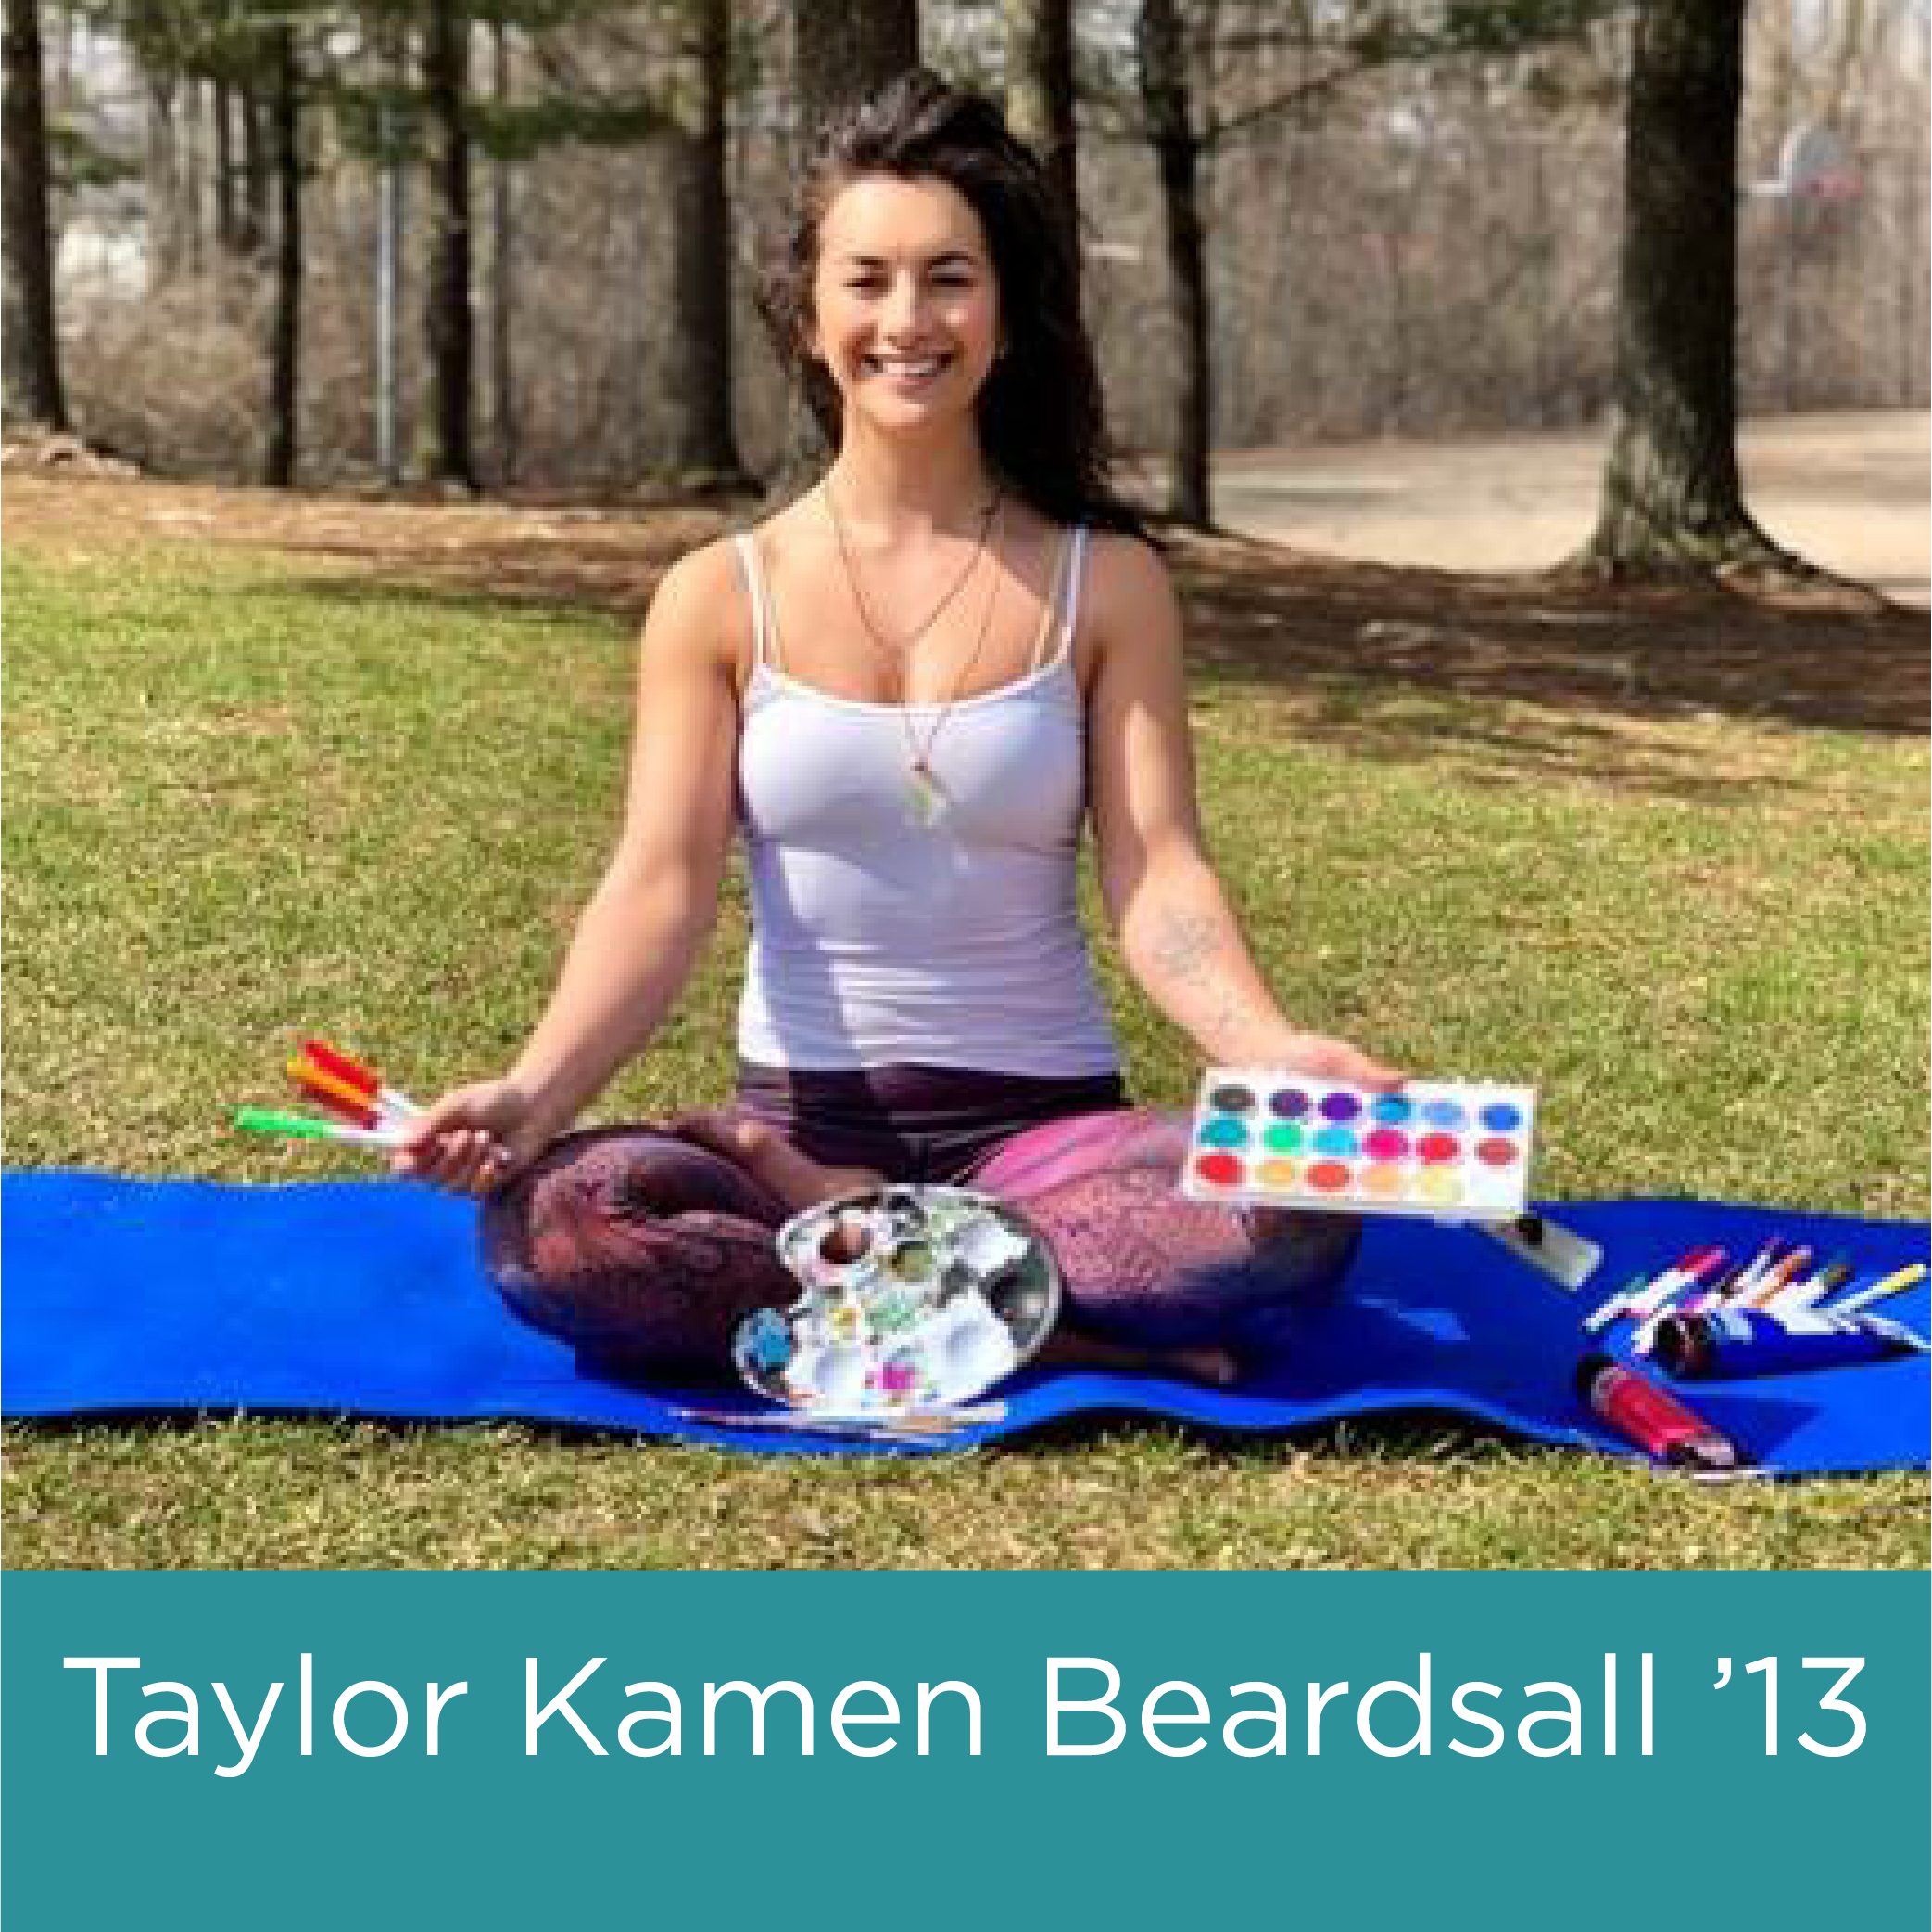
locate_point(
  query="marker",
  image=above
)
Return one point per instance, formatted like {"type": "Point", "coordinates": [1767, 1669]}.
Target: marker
{"type": "Point", "coordinates": [1758, 1266]}
{"type": "Point", "coordinates": [1805, 1295]}
{"type": "Point", "coordinates": [1606, 1312]}
{"type": "Point", "coordinates": [1653, 1306]}
{"type": "Point", "coordinates": [333, 1060]}
{"type": "Point", "coordinates": [335, 1094]}
{"type": "Point", "coordinates": [1900, 1277]}
{"type": "Point", "coordinates": [1775, 1279]}
{"type": "Point", "coordinates": [1712, 1291]}
{"type": "Point", "coordinates": [305, 1127]}
{"type": "Point", "coordinates": [1697, 1266]}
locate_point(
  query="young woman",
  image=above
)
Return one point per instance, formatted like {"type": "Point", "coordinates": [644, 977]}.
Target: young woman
{"type": "Point", "coordinates": [907, 691]}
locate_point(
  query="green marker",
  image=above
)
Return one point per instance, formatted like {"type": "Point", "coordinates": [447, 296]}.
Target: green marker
{"type": "Point", "coordinates": [1604, 1313]}
{"type": "Point", "coordinates": [305, 1127]}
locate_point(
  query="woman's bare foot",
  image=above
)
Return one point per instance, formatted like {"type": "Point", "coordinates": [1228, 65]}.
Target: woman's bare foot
{"type": "Point", "coordinates": [1215, 1367]}
{"type": "Point", "coordinates": [771, 1160]}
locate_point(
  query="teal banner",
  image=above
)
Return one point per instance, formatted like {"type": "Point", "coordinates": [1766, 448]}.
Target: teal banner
{"type": "Point", "coordinates": [959, 1749]}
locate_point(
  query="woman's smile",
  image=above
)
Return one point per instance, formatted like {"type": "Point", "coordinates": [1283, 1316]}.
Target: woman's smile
{"type": "Point", "coordinates": [905, 369]}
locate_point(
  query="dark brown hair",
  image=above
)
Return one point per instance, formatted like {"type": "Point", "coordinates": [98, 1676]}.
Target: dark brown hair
{"type": "Point", "coordinates": [1041, 422]}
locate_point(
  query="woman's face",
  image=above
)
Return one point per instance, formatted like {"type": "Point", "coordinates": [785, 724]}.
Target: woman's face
{"type": "Point", "coordinates": [905, 310]}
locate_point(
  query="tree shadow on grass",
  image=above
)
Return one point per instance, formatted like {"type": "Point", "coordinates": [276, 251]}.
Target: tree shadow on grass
{"type": "Point", "coordinates": [1399, 664]}
{"type": "Point", "coordinates": [1392, 660]}
{"type": "Point", "coordinates": [1655, 651]}
{"type": "Point", "coordinates": [1257, 611]}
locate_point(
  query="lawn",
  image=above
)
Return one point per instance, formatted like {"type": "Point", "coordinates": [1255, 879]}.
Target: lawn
{"type": "Point", "coordinates": [286, 765]}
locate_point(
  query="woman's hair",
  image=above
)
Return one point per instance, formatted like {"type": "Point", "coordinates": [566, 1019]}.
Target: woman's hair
{"type": "Point", "coordinates": [1041, 413]}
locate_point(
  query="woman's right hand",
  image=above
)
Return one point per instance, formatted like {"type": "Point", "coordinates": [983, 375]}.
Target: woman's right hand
{"type": "Point", "coordinates": [473, 1138]}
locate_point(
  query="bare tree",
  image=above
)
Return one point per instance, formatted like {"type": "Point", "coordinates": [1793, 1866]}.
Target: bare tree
{"type": "Point", "coordinates": [1672, 499]}
{"type": "Point", "coordinates": [449, 321]}
{"type": "Point", "coordinates": [841, 51]}
{"type": "Point", "coordinates": [1039, 92]}
{"type": "Point", "coordinates": [702, 445]}
{"type": "Point", "coordinates": [33, 377]}
{"type": "Point", "coordinates": [285, 337]}
{"type": "Point", "coordinates": [1161, 63]}
{"type": "Point", "coordinates": [501, 297]}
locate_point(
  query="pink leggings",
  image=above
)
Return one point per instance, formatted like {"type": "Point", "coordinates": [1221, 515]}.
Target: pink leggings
{"type": "Point", "coordinates": [644, 1250]}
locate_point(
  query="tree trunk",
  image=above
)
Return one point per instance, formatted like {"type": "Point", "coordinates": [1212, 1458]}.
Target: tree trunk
{"type": "Point", "coordinates": [448, 323]}
{"type": "Point", "coordinates": [252, 216]}
{"type": "Point", "coordinates": [844, 48]}
{"type": "Point", "coordinates": [1672, 499]}
{"type": "Point", "coordinates": [703, 447]}
{"type": "Point", "coordinates": [32, 373]}
{"type": "Point", "coordinates": [1162, 62]}
{"type": "Point", "coordinates": [840, 50]}
{"type": "Point", "coordinates": [1039, 94]}
{"type": "Point", "coordinates": [227, 220]}
{"type": "Point", "coordinates": [504, 427]}
{"type": "Point", "coordinates": [278, 468]}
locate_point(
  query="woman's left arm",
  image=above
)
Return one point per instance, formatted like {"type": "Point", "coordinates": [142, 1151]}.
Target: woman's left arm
{"type": "Point", "coordinates": [1164, 900]}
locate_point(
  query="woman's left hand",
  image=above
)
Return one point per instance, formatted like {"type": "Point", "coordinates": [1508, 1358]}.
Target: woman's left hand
{"type": "Point", "coordinates": [1325, 1058]}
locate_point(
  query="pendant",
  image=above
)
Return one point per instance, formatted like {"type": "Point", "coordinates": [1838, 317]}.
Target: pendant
{"type": "Point", "coordinates": [925, 800]}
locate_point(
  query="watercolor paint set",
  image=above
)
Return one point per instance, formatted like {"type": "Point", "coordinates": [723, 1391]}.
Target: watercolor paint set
{"type": "Point", "coordinates": [1450, 1149]}
{"type": "Point", "coordinates": [916, 1300]}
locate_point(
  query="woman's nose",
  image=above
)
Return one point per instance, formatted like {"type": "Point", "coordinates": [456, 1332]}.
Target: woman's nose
{"type": "Point", "coordinates": [903, 307]}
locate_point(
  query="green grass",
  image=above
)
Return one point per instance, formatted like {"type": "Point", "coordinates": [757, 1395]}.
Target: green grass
{"type": "Point", "coordinates": [250, 798]}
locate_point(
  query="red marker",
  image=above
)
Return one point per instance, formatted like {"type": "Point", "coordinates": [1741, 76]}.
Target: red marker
{"type": "Point", "coordinates": [341, 1066]}
{"type": "Point", "coordinates": [383, 1099]}
{"type": "Point", "coordinates": [1688, 1270]}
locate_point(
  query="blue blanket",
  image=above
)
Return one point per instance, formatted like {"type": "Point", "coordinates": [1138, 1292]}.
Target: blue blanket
{"type": "Point", "coordinates": [365, 1298]}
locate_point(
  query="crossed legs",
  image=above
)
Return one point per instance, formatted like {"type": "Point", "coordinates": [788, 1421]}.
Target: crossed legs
{"type": "Point", "coordinates": [645, 1248]}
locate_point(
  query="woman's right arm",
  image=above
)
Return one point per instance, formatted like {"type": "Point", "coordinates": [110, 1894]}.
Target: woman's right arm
{"type": "Point", "coordinates": [645, 925]}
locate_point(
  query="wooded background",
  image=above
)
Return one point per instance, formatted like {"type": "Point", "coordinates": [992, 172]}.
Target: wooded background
{"type": "Point", "coordinates": [1410, 219]}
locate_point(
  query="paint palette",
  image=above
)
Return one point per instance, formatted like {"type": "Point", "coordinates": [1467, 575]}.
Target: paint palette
{"type": "Point", "coordinates": [915, 1299]}
{"type": "Point", "coordinates": [1450, 1149]}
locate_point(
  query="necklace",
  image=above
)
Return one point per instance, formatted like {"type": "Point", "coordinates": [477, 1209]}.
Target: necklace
{"type": "Point", "coordinates": [926, 797]}
{"type": "Point", "coordinates": [895, 655]}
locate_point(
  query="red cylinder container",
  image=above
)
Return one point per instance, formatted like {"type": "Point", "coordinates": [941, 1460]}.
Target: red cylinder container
{"type": "Point", "coordinates": [1652, 1417]}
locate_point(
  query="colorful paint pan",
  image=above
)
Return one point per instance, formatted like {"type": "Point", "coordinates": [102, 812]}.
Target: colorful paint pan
{"type": "Point", "coordinates": [1450, 1149]}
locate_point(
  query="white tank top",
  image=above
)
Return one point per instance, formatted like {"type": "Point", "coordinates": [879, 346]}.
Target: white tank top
{"type": "Point", "coordinates": [875, 939]}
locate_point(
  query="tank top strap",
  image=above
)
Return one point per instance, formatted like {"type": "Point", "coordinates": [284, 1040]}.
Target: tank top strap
{"type": "Point", "coordinates": [765, 636]}
{"type": "Point", "coordinates": [1063, 599]}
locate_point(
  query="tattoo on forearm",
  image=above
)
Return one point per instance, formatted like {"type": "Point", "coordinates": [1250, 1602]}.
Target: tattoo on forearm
{"type": "Point", "coordinates": [1183, 942]}
{"type": "Point", "coordinates": [1189, 951]}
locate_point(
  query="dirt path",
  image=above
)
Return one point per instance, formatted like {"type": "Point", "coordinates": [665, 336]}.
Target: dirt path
{"type": "Point", "coordinates": [1850, 492]}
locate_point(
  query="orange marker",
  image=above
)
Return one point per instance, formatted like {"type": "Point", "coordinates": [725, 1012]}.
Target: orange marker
{"type": "Point", "coordinates": [335, 1094]}
{"type": "Point", "coordinates": [345, 1068]}
{"type": "Point", "coordinates": [1787, 1270]}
